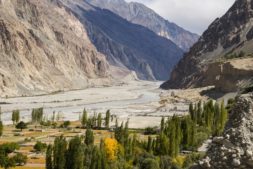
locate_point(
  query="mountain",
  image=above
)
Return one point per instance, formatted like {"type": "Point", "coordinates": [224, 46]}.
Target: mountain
{"type": "Point", "coordinates": [42, 52]}
{"type": "Point", "coordinates": [125, 44]}
{"type": "Point", "coordinates": [52, 45]}
{"type": "Point", "coordinates": [140, 14]}
{"type": "Point", "coordinates": [223, 54]}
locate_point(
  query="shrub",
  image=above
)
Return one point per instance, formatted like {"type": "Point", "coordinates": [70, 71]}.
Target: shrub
{"type": "Point", "coordinates": [20, 159]}
{"type": "Point", "coordinates": [40, 147]}
{"type": "Point", "coordinates": [150, 131]}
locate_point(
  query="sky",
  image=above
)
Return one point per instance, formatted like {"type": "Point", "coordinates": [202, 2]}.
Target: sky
{"type": "Point", "coordinates": [193, 15]}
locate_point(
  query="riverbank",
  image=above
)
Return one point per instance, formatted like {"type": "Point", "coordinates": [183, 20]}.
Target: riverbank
{"type": "Point", "coordinates": [140, 102]}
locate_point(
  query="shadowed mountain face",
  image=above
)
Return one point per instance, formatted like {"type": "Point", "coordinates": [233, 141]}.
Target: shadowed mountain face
{"type": "Point", "coordinates": [223, 54]}
{"type": "Point", "coordinates": [140, 14]}
{"type": "Point", "coordinates": [126, 44]}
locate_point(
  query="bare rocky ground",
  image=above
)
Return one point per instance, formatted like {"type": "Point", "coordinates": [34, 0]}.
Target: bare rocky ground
{"type": "Point", "coordinates": [234, 150]}
{"type": "Point", "coordinates": [142, 102]}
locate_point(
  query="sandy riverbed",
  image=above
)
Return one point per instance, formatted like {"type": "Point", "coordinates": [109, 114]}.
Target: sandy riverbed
{"type": "Point", "coordinates": [141, 102]}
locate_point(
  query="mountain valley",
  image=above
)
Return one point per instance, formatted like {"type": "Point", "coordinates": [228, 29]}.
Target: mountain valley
{"type": "Point", "coordinates": [82, 86]}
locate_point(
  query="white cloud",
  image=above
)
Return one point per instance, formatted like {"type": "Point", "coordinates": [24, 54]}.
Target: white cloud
{"type": "Point", "coordinates": [194, 15]}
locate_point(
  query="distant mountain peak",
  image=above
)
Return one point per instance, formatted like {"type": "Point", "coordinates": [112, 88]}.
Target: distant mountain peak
{"type": "Point", "coordinates": [138, 13]}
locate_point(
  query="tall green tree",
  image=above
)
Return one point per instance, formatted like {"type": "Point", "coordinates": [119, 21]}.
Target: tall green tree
{"type": "Point", "coordinates": [15, 116]}
{"type": "Point", "coordinates": [162, 124]}
{"type": "Point", "coordinates": [84, 118]}
{"type": "Point", "coordinates": [89, 137]}
{"type": "Point", "coordinates": [99, 121]}
{"type": "Point", "coordinates": [223, 116]}
{"type": "Point", "coordinates": [75, 154]}
{"type": "Point", "coordinates": [1, 128]}
{"type": "Point", "coordinates": [53, 117]}
{"type": "Point", "coordinates": [37, 115]}
{"type": "Point", "coordinates": [199, 113]}
{"type": "Point", "coordinates": [191, 111]}
{"type": "Point", "coordinates": [107, 119]}
{"type": "Point", "coordinates": [49, 157]}
{"type": "Point", "coordinates": [0, 113]}
{"type": "Point", "coordinates": [186, 131]}
{"type": "Point", "coordinates": [59, 153]}
{"type": "Point", "coordinates": [216, 120]}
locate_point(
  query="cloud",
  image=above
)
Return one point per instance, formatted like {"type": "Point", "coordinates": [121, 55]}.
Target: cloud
{"type": "Point", "coordinates": [193, 15]}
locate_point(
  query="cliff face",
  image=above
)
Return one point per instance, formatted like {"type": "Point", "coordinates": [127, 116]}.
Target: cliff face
{"type": "Point", "coordinates": [140, 14]}
{"type": "Point", "coordinates": [235, 148]}
{"type": "Point", "coordinates": [226, 36]}
{"type": "Point", "coordinates": [125, 44]}
{"type": "Point", "coordinates": [41, 52]}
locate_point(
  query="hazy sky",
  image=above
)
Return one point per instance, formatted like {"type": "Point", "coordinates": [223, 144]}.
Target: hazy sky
{"type": "Point", "coordinates": [193, 15]}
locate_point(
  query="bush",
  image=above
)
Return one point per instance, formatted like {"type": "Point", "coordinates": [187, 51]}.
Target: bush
{"type": "Point", "coordinates": [200, 137]}
{"type": "Point", "coordinates": [150, 130]}
{"type": "Point", "coordinates": [65, 124]}
{"type": "Point", "coordinates": [179, 161]}
{"type": "Point", "coordinates": [9, 147]}
{"type": "Point", "coordinates": [20, 159]}
{"type": "Point", "coordinates": [192, 158]}
{"type": "Point", "coordinates": [166, 162]}
{"type": "Point", "coordinates": [235, 55]}
{"type": "Point", "coordinates": [150, 163]}
{"type": "Point", "coordinates": [45, 123]}
{"type": "Point", "coordinates": [40, 147]}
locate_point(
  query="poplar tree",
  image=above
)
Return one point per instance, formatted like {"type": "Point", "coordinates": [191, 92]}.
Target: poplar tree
{"type": "Point", "coordinates": [84, 118]}
{"type": "Point", "coordinates": [164, 144]}
{"type": "Point", "coordinates": [59, 152]}
{"type": "Point", "coordinates": [37, 115]}
{"type": "Point", "coordinates": [223, 116]}
{"type": "Point", "coordinates": [89, 137]}
{"type": "Point", "coordinates": [53, 117]}
{"type": "Point", "coordinates": [75, 154]}
{"type": "Point", "coordinates": [1, 128]}
{"type": "Point", "coordinates": [186, 131]}
{"type": "Point", "coordinates": [15, 116]}
{"type": "Point", "coordinates": [162, 124]}
{"type": "Point", "coordinates": [107, 119]}
{"type": "Point", "coordinates": [49, 158]}
{"type": "Point", "coordinates": [0, 113]}
{"type": "Point", "coordinates": [99, 121]}
{"type": "Point", "coordinates": [216, 121]}
{"type": "Point", "coordinates": [191, 111]}
{"type": "Point", "coordinates": [199, 112]}
{"type": "Point", "coordinates": [172, 139]}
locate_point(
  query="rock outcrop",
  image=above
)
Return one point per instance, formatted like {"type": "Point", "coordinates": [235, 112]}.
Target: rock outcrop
{"type": "Point", "coordinates": [234, 150]}
{"type": "Point", "coordinates": [42, 52]}
{"type": "Point", "coordinates": [230, 35]}
{"type": "Point", "coordinates": [140, 14]}
{"type": "Point", "coordinates": [125, 44]}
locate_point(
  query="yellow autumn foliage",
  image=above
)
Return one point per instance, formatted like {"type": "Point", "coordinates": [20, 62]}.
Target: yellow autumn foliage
{"type": "Point", "coordinates": [179, 160]}
{"type": "Point", "coordinates": [111, 148]}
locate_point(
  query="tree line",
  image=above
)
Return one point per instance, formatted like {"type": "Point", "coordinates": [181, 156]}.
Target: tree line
{"type": "Point", "coordinates": [189, 132]}
{"type": "Point", "coordinates": [126, 151]}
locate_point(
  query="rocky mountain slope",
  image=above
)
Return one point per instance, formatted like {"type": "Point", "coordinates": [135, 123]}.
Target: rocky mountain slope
{"type": "Point", "coordinates": [42, 52]}
{"type": "Point", "coordinates": [235, 148]}
{"type": "Point", "coordinates": [219, 55]}
{"type": "Point", "coordinates": [125, 44]}
{"type": "Point", "coordinates": [140, 14]}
